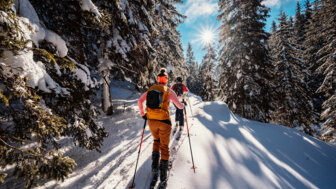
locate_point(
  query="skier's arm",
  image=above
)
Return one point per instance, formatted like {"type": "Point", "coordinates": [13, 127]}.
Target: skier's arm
{"type": "Point", "coordinates": [172, 88]}
{"type": "Point", "coordinates": [185, 89]}
{"type": "Point", "coordinates": [173, 97]}
{"type": "Point", "coordinates": [140, 103]}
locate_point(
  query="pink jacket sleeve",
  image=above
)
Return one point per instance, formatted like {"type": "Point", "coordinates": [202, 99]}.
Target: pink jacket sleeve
{"type": "Point", "coordinates": [140, 103]}
{"type": "Point", "coordinates": [173, 98]}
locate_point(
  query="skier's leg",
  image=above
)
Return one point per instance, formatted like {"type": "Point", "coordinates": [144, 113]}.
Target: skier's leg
{"type": "Point", "coordinates": [181, 120]}
{"type": "Point", "coordinates": [163, 173]}
{"type": "Point", "coordinates": [156, 144]}
{"type": "Point", "coordinates": [155, 161]}
{"type": "Point", "coordinates": [177, 116]}
{"type": "Point", "coordinates": [164, 134]}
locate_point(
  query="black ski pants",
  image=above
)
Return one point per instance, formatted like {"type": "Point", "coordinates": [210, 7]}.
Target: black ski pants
{"type": "Point", "coordinates": [179, 116]}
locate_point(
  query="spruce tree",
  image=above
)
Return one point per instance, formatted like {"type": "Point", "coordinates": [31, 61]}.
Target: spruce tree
{"type": "Point", "coordinates": [193, 83]}
{"type": "Point", "coordinates": [308, 10]}
{"type": "Point", "coordinates": [207, 74]}
{"type": "Point", "coordinates": [274, 27]}
{"type": "Point", "coordinates": [167, 39]}
{"type": "Point", "coordinates": [299, 25]}
{"type": "Point", "coordinates": [327, 68]}
{"type": "Point", "coordinates": [312, 44]}
{"type": "Point", "coordinates": [246, 77]}
{"type": "Point", "coordinates": [36, 114]}
{"type": "Point", "coordinates": [292, 101]}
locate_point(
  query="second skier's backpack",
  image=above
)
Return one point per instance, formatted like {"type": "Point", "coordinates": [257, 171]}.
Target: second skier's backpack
{"type": "Point", "coordinates": [178, 89]}
{"type": "Point", "coordinates": [157, 103]}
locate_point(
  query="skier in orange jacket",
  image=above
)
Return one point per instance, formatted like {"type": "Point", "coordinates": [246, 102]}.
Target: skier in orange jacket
{"type": "Point", "coordinates": [157, 99]}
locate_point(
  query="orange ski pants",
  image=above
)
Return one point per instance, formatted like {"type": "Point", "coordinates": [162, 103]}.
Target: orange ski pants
{"type": "Point", "coordinates": [161, 134]}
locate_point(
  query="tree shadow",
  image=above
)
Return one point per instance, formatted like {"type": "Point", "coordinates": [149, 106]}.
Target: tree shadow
{"type": "Point", "coordinates": [278, 157]}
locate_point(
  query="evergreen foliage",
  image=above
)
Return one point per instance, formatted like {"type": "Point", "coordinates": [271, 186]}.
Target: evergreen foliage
{"type": "Point", "coordinates": [124, 40]}
{"type": "Point", "coordinates": [246, 70]}
{"type": "Point", "coordinates": [207, 74]}
{"type": "Point", "coordinates": [193, 82]}
{"type": "Point", "coordinates": [327, 68]}
{"type": "Point", "coordinates": [291, 99]}
{"type": "Point", "coordinates": [314, 35]}
{"type": "Point", "coordinates": [299, 25]}
{"type": "Point", "coordinates": [167, 39]}
{"type": "Point", "coordinates": [313, 42]}
{"type": "Point", "coordinates": [32, 120]}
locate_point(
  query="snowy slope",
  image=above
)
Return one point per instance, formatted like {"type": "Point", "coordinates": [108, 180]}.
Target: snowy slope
{"type": "Point", "coordinates": [229, 152]}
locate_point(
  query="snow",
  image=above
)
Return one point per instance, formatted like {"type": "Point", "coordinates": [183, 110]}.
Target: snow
{"type": "Point", "coordinates": [120, 44]}
{"type": "Point", "coordinates": [239, 75]}
{"type": "Point", "coordinates": [56, 40]}
{"type": "Point", "coordinates": [39, 33]}
{"type": "Point", "coordinates": [25, 9]}
{"type": "Point", "coordinates": [228, 151]}
{"type": "Point", "coordinates": [23, 64]}
{"type": "Point", "coordinates": [82, 73]}
{"type": "Point", "coordinates": [87, 5]}
{"type": "Point", "coordinates": [170, 68]}
{"type": "Point", "coordinates": [88, 132]}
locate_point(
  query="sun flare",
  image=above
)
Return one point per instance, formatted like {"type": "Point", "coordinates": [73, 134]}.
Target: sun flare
{"type": "Point", "coordinates": [206, 35]}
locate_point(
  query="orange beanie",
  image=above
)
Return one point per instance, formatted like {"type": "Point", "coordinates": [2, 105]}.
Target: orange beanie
{"type": "Point", "coordinates": [162, 77]}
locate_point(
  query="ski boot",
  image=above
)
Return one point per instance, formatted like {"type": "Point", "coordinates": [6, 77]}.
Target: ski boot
{"type": "Point", "coordinates": [178, 136]}
{"type": "Point", "coordinates": [155, 168]}
{"type": "Point", "coordinates": [175, 128]}
{"type": "Point", "coordinates": [181, 128]}
{"type": "Point", "coordinates": [163, 174]}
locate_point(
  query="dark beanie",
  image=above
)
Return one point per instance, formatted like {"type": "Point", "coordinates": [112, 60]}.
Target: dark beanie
{"type": "Point", "coordinates": [163, 72]}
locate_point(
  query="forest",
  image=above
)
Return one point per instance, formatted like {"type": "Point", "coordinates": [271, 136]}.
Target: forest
{"type": "Point", "coordinates": [59, 58]}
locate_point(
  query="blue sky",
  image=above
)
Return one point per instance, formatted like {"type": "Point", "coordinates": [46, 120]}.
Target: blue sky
{"type": "Point", "coordinates": [201, 16]}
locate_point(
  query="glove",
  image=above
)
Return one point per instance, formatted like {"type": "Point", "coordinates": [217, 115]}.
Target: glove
{"type": "Point", "coordinates": [144, 117]}
{"type": "Point", "coordinates": [184, 102]}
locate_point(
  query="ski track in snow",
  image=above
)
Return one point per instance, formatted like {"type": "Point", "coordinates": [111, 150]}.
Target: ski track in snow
{"type": "Point", "coordinates": [229, 152]}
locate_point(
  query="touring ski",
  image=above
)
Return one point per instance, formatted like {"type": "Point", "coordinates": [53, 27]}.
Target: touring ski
{"type": "Point", "coordinates": [154, 180]}
{"type": "Point", "coordinates": [163, 185]}
{"type": "Point", "coordinates": [174, 146]}
{"type": "Point", "coordinates": [178, 135]}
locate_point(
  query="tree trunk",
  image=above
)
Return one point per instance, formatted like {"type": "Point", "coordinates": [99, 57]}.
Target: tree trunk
{"type": "Point", "coordinates": [106, 98]}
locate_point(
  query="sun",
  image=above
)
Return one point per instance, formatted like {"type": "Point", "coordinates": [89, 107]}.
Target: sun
{"type": "Point", "coordinates": [206, 35]}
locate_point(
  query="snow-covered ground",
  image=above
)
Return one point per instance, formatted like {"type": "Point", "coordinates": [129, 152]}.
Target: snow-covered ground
{"type": "Point", "coordinates": [229, 152]}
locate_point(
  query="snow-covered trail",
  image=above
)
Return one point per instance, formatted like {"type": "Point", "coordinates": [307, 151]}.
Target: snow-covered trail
{"type": "Point", "coordinates": [229, 152]}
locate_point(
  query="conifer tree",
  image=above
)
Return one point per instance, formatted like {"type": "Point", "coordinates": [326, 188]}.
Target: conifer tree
{"type": "Point", "coordinates": [299, 25]}
{"type": "Point", "coordinates": [274, 27]}
{"type": "Point", "coordinates": [167, 40]}
{"type": "Point", "coordinates": [246, 77]}
{"type": "Point", "coordinates": [327, 68]}
{"type": "Point", "coordinates": [312, 44]}
{"type": "Point", "coordinates": [207, 74]}
{"type": "Point", "coordinates": [308, 10]}
{"type": "Point", "coordinates": [193, 83]}
{"type": "Point", "coordinates": [37, 109]}
{"type": "Point", "coordinates": [292, 102]}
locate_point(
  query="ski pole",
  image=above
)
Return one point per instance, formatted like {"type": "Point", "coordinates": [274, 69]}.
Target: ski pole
{"type": "Point", "coordinates": [190, 108]}
{"type": "Point", "coordinates": [136, 165]}
{"type": "Point", "coordinates": [192, 158]}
